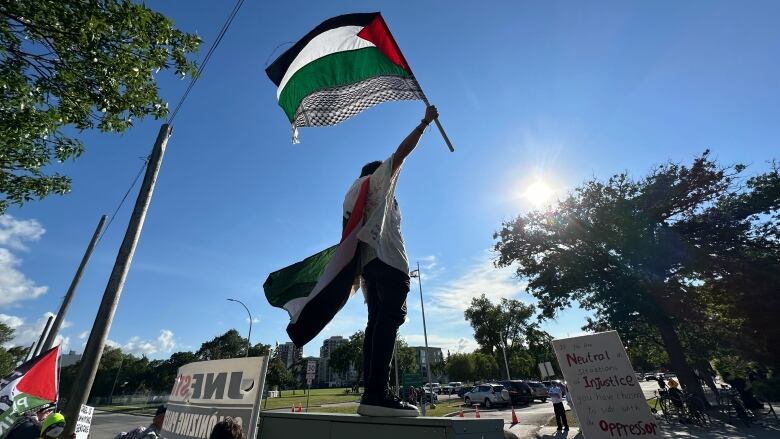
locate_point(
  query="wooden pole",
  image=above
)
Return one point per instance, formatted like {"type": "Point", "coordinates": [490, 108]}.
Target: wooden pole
{"type": "Point", "coordinates": [45, 331]}
{"type": "Point", "coordinates": [93, 351]}
{"type": "Point", "coordinates": [55, 328]}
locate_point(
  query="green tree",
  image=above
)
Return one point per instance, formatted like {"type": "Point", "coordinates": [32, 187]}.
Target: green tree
{"type": "Point", "coordinates": [505, 323]}
{"type": "Point", "coordinates": [68, 64]}
{"type": "Point", "coordinates": [407, 360]}
{"type": "Point", "coordinates": [7, 360]}
{"type": "Point", "coordinates": [228, 345]}
{"type": "Point", "coordinates": [461, 367]}
{"type": "Point", "coordinates": [278, 375]}
{"type": "Point", "coordinates": [652, 251]}
{"type": "Point", "coordinates": [349, 356]}
{"type": "Point", "coordinates": [485, 366]}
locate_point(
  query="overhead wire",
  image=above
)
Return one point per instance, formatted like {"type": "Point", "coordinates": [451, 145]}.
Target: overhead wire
{"type": "Point", "coordinates": [220, 35]}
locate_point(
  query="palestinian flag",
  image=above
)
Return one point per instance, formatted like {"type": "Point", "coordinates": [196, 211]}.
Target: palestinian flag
{"type": "Point", "coordinates": [344, 66]}
{"type": "Point", "coordinates": [312, 291]}
{"type": "Point", "coordinates": [31, 386]}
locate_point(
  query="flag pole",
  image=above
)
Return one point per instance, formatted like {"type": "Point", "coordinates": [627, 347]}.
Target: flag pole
{"type": "Point", "coordinates": [438, 124]}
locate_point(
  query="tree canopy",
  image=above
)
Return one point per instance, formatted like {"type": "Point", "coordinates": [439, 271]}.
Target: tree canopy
{"type": "Point", "coordinates": [682, 246]}
{"type": "Point", "coordinates": [68, 66]}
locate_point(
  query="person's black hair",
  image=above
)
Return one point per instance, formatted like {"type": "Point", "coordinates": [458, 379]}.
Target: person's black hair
{"type": "Point", "coordinates": [227, 428]}
{"type": "Point", "coordinates": [369, 168]}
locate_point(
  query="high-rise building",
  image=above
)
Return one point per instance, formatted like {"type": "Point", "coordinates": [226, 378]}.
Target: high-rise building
{"type": "Point", "coordinates": [325, 374]}
{"type": "Point", "coordinates": [289, 353]}
{"type": "Point", "coordinates": [420, 355]}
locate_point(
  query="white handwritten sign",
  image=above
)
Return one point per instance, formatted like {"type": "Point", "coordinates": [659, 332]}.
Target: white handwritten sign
{"type": "Point", "coordinates": [606, 396]}
{"type": "Point", "coordinates": [84, 421]}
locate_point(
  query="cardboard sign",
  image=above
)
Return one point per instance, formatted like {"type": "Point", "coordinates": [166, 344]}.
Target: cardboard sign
{"type": "Point", "coordinates": [605, 393]}
{"type": "Point", "coordinates": [84, 421]}
{"type": "Point", "coordinates": [206, 392]}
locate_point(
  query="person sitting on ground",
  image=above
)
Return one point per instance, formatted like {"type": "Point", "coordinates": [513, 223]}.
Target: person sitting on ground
{"type": "Point", "coordinates": [675, 394]}
{"type": "Point", "coordinates": [227, 428]}
{"type": "Point", "coordinates": [744, 388]}
{"type": "Point", "coordinates": [150, 432]}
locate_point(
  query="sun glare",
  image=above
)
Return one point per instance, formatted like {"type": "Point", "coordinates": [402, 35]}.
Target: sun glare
{"type": "Point", "coordinates": [538, 193]}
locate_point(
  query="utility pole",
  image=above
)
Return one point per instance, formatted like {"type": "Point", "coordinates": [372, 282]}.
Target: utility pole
{"type": "Point", "coordinates": [425, 334]}
{"type": "Point", "coordinates": [503, 348]}
{"type": "Point", "coordinates": [97, 338]}
{"type": "Point", "coordinates": [45, 331]}
{"type": "Point", "coordinates": [55, 329]}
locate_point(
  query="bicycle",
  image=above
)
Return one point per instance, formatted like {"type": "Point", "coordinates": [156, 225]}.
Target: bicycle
{"type": "Point", "coordinates": [731, 405]}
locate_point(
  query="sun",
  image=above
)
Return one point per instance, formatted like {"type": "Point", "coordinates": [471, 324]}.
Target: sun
{"type": "Point", "coordinates": [538, 193]}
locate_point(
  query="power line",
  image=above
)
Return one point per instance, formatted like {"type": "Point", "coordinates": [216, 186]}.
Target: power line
{"type": "Point", "coordinates": [122, 202]}
{"type": "Point", "coordinates": [221, 34]}
{"type": "Point", "coordinates": [206, 59]}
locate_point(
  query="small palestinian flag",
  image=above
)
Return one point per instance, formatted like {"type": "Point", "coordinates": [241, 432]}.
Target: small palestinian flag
{"type": "Point", "coordinates": [344, 66]}
{"type": "Point", "coordinates": [312, 291]}
{"type": "Point", "coordinates": [28, 388]}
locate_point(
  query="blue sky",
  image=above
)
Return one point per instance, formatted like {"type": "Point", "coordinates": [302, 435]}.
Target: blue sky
{"type": "Point", "coordinates": [552, 91]}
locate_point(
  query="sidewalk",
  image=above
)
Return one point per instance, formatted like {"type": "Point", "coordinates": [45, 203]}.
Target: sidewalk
{"type": "Point", "coordinates": [715, 431]}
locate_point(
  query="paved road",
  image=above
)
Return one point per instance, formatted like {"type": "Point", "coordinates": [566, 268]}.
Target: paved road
{"type": "Point", "coordinates": [106, 425]}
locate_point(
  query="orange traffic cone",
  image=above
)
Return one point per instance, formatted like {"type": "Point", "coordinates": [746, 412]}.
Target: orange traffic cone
{"type": "Point", "coordinates": [300, 407]}
{"type": "Point", "coordinates": [460, 414]}
{"type": "Point", "coordinates": [292, 409]}
{"type": "Point", "coordinates": [477, 407]}
{"type": "Point", "coordinates": [514, 417]}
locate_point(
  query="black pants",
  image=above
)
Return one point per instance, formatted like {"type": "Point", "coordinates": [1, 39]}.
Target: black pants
{"type": "Point", "coordinates": [560, 414]}
{"type": "Point", "coordinates": [386, 290]}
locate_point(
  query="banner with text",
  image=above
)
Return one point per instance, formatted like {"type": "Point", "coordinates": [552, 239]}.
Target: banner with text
{"type": "Point", "coordinates": [84, 421]}
{"type": "Point", "coordinates": [605, 393]}
{"type": "Point", "coordinates": [206, 392]}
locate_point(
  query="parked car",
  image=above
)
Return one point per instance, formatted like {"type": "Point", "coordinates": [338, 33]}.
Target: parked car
{"type": "Point", "coordinates": [455, 385]}
{"type": "Point", "coordinates": [538, 390]}
{"type": "Point", "coordinates": [462, 391]}
{"type": "Point", "coordinates": [487, 395]}
{"type": "Point", "coordinates": [436, 387]}
{"type": "Point", "coordinates": [650, 377]}
{"type": "Point", "coordinates": [519, 392]}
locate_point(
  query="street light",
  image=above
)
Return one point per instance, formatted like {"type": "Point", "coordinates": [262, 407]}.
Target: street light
{"type": "Point", "coordinates": [416, 273]}
{"type": "Point", "coordinates": [249, 338]}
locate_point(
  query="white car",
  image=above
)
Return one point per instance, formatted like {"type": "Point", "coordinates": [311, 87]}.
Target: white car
{"type": "Point", "coordinates": [487, 395]}
{"type": "Point", "coordinates": [434, 386]}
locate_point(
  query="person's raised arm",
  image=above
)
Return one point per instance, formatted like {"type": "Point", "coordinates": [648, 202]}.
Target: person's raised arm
{"type": "Point", "coordinates": [408, 144]}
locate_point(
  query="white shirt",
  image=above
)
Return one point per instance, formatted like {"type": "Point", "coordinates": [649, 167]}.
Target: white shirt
{"type": "Point", "coordinates": [381, 234]}
{"type": "Point", "coordinates": [555, 394]}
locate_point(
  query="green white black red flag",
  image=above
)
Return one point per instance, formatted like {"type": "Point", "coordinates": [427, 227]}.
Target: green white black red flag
{"type": "Point", "coordinates": [343, 66]}
{"type": "Point", "coordinates": [28, 388]}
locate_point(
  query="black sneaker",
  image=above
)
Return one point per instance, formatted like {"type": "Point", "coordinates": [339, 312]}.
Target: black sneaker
{"type": "Point", "coordinates": [387, 405]}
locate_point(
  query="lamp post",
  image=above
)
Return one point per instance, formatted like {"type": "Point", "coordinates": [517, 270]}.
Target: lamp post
{"type": "Point", "coordinates": [416, 274]}
{"type": "Point", "coordinates": [249, 338]}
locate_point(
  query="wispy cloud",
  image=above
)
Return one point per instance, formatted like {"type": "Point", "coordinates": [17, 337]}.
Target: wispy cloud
{"type": "Point", "coordinates": [454, 296]}
{"type": "Point", "coordinates": [14, 285]}
{"type": "Point", "coordinates": [163, 344]}
{"type": "Point", "coordinates": [26, 333]}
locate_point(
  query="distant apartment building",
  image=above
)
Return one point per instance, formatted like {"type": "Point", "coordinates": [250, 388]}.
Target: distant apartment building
{"type": "Point", "coordinates": [326, 376]}
{"type": "Point", "coordinates": [289, 353]}
{"type": "Point", "coordinates": [420, 355]}
{"type": "Point", "coordinates": [69, 359]}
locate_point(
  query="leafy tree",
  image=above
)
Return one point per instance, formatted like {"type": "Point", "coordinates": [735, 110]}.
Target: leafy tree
{"type": "Point", "coordinates": [228, 345]}
{"type": "Point", "coordinates": [654, 250]}
{"type": "Point", "coordinates": [349, 356]}
{"type": "Point", "coordinates": [461, 367]}
{"type": "Point", "coordinates": [7, 360]}
{"type": "Point", "coordinates": [68, 64]}
{"type": "Point", "coordinates": [485, 366]}
{"type": "Point", "coordinates": [278, 375]}
{"type": "Point", "coordinates": [407, 360]}
{"type": "Point", "coordinates": [505, 323]}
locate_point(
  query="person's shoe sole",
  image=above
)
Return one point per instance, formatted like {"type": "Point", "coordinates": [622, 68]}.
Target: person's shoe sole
{"type": "Point", "coordinates": [378, 411]}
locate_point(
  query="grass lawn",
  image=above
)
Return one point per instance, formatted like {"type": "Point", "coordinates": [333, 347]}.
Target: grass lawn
{"type": "Point", "coordinates": [441, 409]}
{"type": "Point", "coordinates": [318, 398]}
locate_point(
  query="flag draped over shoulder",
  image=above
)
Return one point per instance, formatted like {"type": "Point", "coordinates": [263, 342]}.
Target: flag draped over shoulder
{"type": "Point", "coordinates": [344, 66]}
{"type": "Point", "coordinates": [30, 386]}
{"type": "Point", "coordinates": [313, 290]}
